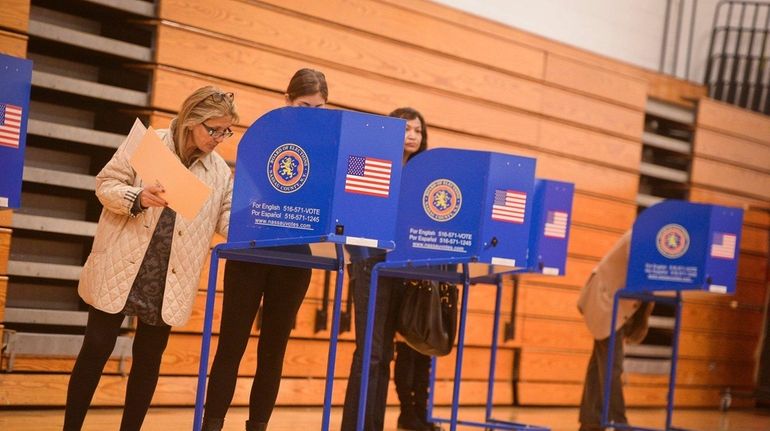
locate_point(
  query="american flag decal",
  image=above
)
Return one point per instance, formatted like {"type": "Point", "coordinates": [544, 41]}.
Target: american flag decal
{"type": "Point", "coordinates": [556, 224]}
{"type": "Point", "coordinates": [509, 206]}
{"type": "Point", "coordinates": [368, 176]}
{"type": "Point", "coordinates": [10, 125]}
{"type": "Point", "coordinates": [723, 246]}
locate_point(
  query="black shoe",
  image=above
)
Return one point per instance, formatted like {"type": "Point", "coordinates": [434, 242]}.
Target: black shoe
{"type": "Point", "coordinates": [212, 424]}
{"type": "Point", "coordinates": [256, 426]}
{"type": "Point", "coordinates": [407, 420]}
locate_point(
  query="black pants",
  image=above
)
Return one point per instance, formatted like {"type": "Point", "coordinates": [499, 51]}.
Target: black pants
{"type": "Point", "coordinates": [281, 289]}
{"type": "Point", "coordinates": [593, 389]}
{"type": "Point", "coordinates": [411, 374]}
{"type": "Point", "coordinates": [388, 302]}
{"type": "Point", "coordinates": [102, 332]}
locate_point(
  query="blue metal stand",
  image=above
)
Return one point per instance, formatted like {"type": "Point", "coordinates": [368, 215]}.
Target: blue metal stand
{"type": "Point", "coordinates": [676, 301]}
{"type": "Point", "coordinates": [252, 251]}
{"type": "Point", "coordinates": [425, 270]}
{"type": "Point", "coordinates": [491, 422]}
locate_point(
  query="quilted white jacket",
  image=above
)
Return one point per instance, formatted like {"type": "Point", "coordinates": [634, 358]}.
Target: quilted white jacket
{"type": "Point", "coordinates": [121, 241]}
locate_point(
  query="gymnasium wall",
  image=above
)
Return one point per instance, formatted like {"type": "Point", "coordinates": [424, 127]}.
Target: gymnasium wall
{"type": "Point", "coordinates": [480, 85]}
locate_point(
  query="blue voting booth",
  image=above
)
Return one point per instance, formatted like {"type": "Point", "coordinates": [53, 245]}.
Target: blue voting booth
{"type": "Point", "coordinates": [15, 86]}
{"type": "Point", "coordinates": [470, 216]}
{"type": "Point", "coordinates": [309, 176]}
{"type": "Point", "coordinates": [677, 246]}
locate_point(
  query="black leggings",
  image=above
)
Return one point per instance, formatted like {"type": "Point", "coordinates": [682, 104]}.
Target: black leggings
{"type": "Point", "coordinates": [102, 332]}
{"type": "Point", "coordinates": [282, 290]}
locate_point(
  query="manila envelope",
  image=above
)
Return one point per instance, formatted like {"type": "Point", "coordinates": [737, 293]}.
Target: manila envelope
{"type": "Point", "coordinates": [156, 164]}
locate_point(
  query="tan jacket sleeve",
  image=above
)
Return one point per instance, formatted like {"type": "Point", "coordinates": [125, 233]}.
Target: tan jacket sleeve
{"type": "Point", "coordinates": [117, 185]}
{"type": "Point", "coordinates": [223, 224]}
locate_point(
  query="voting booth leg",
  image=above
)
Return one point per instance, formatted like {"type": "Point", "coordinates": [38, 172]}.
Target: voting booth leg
{"type": "Point", "coordinates": [493, 350]}
{"type": "Point", "coordinates": [333, 340]}
{"type": "Point", "coordinates": [208, 318]}
{"type": "Point", "coordinates": [674, 356]}
{"type": "Point", "coordinates": [432, 389]}
{"type": "Point", "coordinates": [366, 354]}
{"type": "Point", "coordinates": [460, 348]}
{"type": "Point", "coordinates": [676, 301]}
{"type": "Point", "coordinates": [610, 361]}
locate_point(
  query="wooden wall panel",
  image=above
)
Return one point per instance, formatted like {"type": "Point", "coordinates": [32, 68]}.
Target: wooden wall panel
{"type": "Point", "coordinates": [50, 390]}
{"type": "Point", "coordinates": [731, 149]}
{"type": "Point", "coordinates": [549, 302]}
{"type": "Point", "coordinates": [305, 38]}
{"type": "Point", "coordinates": [568, 394]}
{"type": "Point", "coordinates": [593, 113]}
{"type": "Point", "coordinates": [13, 44]}
{"type": "Point", "coordinates": [748, 296]}
{"type": "Point", "coordinates": [457, 33]}
{"type": "Point", "coordinates": [572, 335]}
{"type": "Point", "coordinates": [175, 46]}
{"type": "Point", "coordinates": [554, 366]}
{"type": "Point", "coordinates": [753, 213]}
{"type": "Point", "coordinates": [400, 24]}
{"type": "Point", "coordinates": [583, 144]}
{"type": "Point", "coordinates": [15, 15]}
{"type": "Point", "coordinates": [710, 345]}
{"type": "Point", "coordinates": [597, 81]}
{"type": "Point", "coordinates": [660, 87]}
{"type": "Point", "coordinates": [577, 271]}
{"type": "Point", "coordinates": [594, 211]}
{"type": "Point", "coordinates": [590, 242]}
{"type": "Point", "coordinates": [733, 120]}
{"type": "Point", "coordinates": [3, 297]}
{"type": "Point", "coordinates": [170, 87]}
{"type": "Point", "coordinates": [5, 248]}
{"type": "Point", "coordinates": [754, 240]}
{"type": "Point", "coordinates": [6, 217]}
{"type": "Point", "coordinates": [308, 358]}
{"type": "Point", "coordinates": [722, 319]}
{"type": "Point", "coordinates": [721, 176]}
{"type": "Point", "coordinates": [559, 303]}
{"type": "Point", "coordinates": [752, 268]}
{"type": "Point", "coordinates": [545, 333]}
{"type": "Point", "coordinates": [587, 177]}
{"type": "Point", "coordinates": [268, 70]}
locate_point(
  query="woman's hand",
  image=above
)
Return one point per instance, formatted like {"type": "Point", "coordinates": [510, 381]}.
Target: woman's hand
{"type": "Point", "coordinates": [150, 197]}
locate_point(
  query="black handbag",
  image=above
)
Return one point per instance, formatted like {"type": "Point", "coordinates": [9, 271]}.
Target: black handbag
{"type": "Point", "coordinates": [428, 316]}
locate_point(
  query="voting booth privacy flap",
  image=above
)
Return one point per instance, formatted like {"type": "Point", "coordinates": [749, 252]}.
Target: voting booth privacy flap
{"type": "Point", "coordinates": [465, 204]}
{"type": "Point", "coordinates": [679, 245]}
{"type": "Point", "coordinates": [485, 207]}
{"type": "Point", "coordinates": [15, 85]}
{"type": "Point", "coordinates": [309, 172]}
{"type": "Point", "coordinates": [551, 219]}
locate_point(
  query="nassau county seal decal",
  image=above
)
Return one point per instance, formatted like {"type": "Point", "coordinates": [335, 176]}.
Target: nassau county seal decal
{"type": "Point", "coordinates": [442, 200]}
{"type": "Point", "coordinates": [288, 168]}
{"type": "Point", "coordinates": [672, 241]}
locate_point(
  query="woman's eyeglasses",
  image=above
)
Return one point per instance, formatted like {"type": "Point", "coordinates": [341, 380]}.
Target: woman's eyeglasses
{"type": "Point", "coordinates": [214, 133]}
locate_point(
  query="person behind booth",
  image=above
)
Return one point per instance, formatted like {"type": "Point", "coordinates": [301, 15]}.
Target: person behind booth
{"type": "Point", "coordinates": [146, 260]}
{"type": "Point", "coordinates": [280, 289]}
{"type": "Point", "coordinates": [412, 372]}
{"type": "Point", "coordinates": [595, 304]}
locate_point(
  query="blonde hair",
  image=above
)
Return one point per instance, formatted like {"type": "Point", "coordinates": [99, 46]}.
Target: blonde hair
{"type": "Point", "coordinates": [204, 103]}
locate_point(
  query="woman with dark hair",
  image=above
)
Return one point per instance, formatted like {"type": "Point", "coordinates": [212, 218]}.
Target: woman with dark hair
{"type": "Point", "coordinates": [388, 303]}
{"type": "Point", "coordinates": [146, 260]}
{"type": "Point", "coordinates": [281, 291]}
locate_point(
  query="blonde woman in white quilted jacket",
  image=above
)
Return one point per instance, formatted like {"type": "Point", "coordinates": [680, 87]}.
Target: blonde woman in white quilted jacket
{"type": "Point", "coordinates": [146, 260]}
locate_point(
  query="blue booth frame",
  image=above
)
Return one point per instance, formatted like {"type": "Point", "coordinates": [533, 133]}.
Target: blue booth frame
{"type": "Point", "coordinates": [252, 251]}
{"type": "Point", "coordinates": [676, 301]}
{"type": "Point", "coordinates": [420, 269]}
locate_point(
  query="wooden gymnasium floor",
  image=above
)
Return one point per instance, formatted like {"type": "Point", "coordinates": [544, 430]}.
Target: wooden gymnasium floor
{"type": "Point", "coordinates": [307, 419]}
